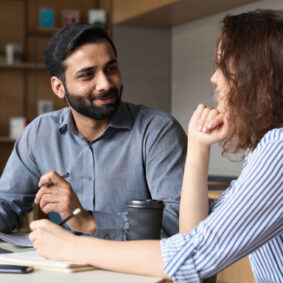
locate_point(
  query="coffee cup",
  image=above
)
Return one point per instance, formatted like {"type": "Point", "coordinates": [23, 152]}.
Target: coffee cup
{"type": "Point", "coordinates": [145, 219]}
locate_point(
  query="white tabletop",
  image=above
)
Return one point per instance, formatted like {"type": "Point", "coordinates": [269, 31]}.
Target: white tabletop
{"type": "Point", "coordinates": [44, 276]}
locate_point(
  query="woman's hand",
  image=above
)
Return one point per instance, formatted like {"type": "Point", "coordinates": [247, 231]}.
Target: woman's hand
{"type": "Point", "coordinates": [207, 126]}
{"type": "Point", "coordinates": [51, 241]}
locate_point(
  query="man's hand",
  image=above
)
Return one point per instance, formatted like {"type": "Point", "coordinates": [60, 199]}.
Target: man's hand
{"type": "Point", "coordinates": [60, 197]}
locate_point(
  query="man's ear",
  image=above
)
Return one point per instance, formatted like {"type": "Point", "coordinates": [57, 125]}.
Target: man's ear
{"type": "Point", "coordinates": [58, 87]}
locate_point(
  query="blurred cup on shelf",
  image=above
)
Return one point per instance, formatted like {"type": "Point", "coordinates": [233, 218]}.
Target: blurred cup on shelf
{"type": "Point", "coordinates": [97, 17]}
{"type": "Point", "coordinates": [14, 52]}
{"type": "Point", "coordinates": [17, 125]}
{"type": "Point", "coordinates": [44, 106]}
{"type": "Point", "coordinates": [145, 219]}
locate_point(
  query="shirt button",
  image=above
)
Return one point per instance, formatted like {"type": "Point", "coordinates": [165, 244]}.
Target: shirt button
{"type": "Point", "coordinates": [107, 237]}
{"type": "Point", "coordinates": [89, 178]}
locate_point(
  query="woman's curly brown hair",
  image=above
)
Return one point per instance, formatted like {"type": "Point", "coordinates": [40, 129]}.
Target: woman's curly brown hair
{"type": "Point", "coordinates": [252, 43]}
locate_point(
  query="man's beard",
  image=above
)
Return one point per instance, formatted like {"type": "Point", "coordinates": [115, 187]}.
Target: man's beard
{"type": "Point", "coordinates": [89, 110]}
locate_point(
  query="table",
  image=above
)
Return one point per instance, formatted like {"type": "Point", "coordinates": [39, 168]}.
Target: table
{"type": "Point", "coordinates": [46, 276]}
{"type": "Point", "coordinates": [214, 194]}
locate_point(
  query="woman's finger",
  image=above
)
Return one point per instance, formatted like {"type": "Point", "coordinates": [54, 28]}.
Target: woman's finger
{"type": "Point", "coordinates": [211, 117]}
{"type": "Point", "coordinates": [215, 121]}
{"type": "Point", "coordinates": [203, 119]}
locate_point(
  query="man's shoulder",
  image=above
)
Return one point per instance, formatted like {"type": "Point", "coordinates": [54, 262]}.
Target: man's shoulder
{"type": "Point", "coordinates": [269, 147]}
{"type": "Point", "coordinates": [50, 119]}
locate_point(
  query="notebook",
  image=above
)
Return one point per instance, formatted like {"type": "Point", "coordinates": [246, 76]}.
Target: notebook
{"type": "Point", "coordinates": [32, 258]}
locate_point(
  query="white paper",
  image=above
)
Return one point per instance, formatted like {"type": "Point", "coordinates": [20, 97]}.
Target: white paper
{"type": "Point", "coordinates": [32, 258]}
{"type": "Point", "coordinates": [17, 239]}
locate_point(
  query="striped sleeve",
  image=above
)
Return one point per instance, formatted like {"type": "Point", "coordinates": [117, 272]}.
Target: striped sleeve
{"type": "Point", "coordinates": [249, 216]}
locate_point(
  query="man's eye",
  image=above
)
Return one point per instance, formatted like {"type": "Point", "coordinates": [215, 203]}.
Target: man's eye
{"type": "Point", "coordinates": [111, 68]}
{"type": "Point", "coordinates": [85, 75]}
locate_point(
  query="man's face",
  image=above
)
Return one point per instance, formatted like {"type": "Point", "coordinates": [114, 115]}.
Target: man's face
{"type": "Point", "coordinates": [93, 80]}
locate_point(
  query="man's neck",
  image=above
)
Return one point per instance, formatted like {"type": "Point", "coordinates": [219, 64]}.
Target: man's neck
{"type": "Point", "coordinates": [89, 128]}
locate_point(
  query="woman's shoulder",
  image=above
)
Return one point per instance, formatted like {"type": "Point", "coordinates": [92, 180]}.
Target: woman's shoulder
{"type": "Point", "coordinates": [274, 135]}
{"type": "Point", "coordinates": [270, 143]}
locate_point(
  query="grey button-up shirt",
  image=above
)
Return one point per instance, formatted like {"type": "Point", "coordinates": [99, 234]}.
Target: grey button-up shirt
{"type": "Point", "coordinates": [140, 155]}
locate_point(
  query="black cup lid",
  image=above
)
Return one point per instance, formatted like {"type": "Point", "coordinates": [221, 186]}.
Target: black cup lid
{"type": "Point", "coordinates": [145, 203]}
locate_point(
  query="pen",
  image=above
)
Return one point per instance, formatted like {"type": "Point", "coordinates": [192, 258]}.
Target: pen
{"type": "Point", "coordinates": [49, 182]}
{"type": "Point", "coordinates": [75, 212]}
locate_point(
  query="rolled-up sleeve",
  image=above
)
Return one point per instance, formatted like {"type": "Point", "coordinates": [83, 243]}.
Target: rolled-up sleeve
{"type": "Point", "coordinates": [177, 253]}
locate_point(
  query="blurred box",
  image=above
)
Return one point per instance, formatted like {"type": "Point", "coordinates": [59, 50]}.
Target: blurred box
{"type": "Point", "coordinates": [97, 17]}
{"type": "Point", "coordinates": [14, 53]}
{"type": "Point", "coordinates": [46, 17]}
{"type": "Point", "coordinates": [70, 16]}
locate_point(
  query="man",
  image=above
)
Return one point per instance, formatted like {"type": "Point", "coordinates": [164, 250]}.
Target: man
{"type": "Point", "coordinates": [113, 151]}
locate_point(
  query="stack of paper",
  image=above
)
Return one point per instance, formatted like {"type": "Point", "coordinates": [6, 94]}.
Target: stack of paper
{"type": "Point", "coordinates": [32, 258]}
{"type": "Point", "coordinates": [18, 239]}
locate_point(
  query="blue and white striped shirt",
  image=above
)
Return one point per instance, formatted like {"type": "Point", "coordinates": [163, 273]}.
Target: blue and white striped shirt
{"type": "Point", "coordinates": [246, 220]}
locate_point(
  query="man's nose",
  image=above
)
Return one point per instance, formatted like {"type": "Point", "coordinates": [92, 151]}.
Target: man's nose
{"type": "Point", "coordinates": [102, 82]}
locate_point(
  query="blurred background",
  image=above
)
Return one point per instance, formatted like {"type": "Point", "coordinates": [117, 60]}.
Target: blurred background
{"type": "Point", "coordinates": [165, 50]}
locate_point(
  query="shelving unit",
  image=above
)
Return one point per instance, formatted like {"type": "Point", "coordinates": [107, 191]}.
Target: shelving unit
{"type": "Point", "coordinates": [24, 84]}
{"type": "Point", "coordinates": [23, 66]}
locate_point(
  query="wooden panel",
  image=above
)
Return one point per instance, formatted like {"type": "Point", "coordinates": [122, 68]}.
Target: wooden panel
{"type": "Point", "coordinates": [39, 87]}
{"type": "Point", "coordinates": [107, 5]}
{"type": "Point", "coordinates": [11, 97]}
{"type": "Point", "coordinates": [124, 10]}
{"type": "Point", "coordinates": [22, 66]}
{"type": "Point", "coordinates": [12, 22]}
{"type": "Point", "coordinates": [5, 150]}
{"type": "Point", "coordinates": [175, 13]}
{"type": "Point", "coordinates": [35, 47]}
{"type": "Point", "coordinates": [238, 272]}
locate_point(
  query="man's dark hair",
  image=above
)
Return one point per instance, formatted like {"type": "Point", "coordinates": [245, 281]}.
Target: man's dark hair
{"type": "Point", "coordinates": [67, 40]}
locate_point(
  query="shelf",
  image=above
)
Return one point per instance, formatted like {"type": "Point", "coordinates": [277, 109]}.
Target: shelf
{"type": "Point", "coordinates": [6, 140]}
{"type": "Point", "coordinates": [43, 31]}
{"type": "Point", "coordinates": [23, 66]}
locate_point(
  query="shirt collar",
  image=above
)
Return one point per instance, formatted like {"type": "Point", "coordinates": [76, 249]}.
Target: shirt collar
{"type": "Point", "coordinates": [68, 123]}
{"type": "Point", "coordinates": [121, 119]}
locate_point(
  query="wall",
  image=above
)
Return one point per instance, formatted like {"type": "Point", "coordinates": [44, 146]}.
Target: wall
{"type": "Point", "coordinates": [169, 69]}
{"type": "Point", "coordinates": [192, 49]}
{"type": "Point", "coordinates": [144, 56]}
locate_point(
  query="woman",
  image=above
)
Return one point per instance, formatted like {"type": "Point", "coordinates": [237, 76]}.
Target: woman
{"type": "Point", "coordinates": [247, 219]}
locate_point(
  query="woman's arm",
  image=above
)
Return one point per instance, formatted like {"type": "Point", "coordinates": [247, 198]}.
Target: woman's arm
{"type": "Point", "coordinates": [205, 128]}
{"type": "Point", "coordinates": [137, 257]}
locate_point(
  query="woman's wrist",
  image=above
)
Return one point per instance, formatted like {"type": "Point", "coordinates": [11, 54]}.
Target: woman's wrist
{"type": "Point", "coordinates": [197, 146]}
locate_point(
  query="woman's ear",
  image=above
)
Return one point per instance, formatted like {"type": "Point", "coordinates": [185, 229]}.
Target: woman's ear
{"type": "Point", "coordinates": [58, 87]}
